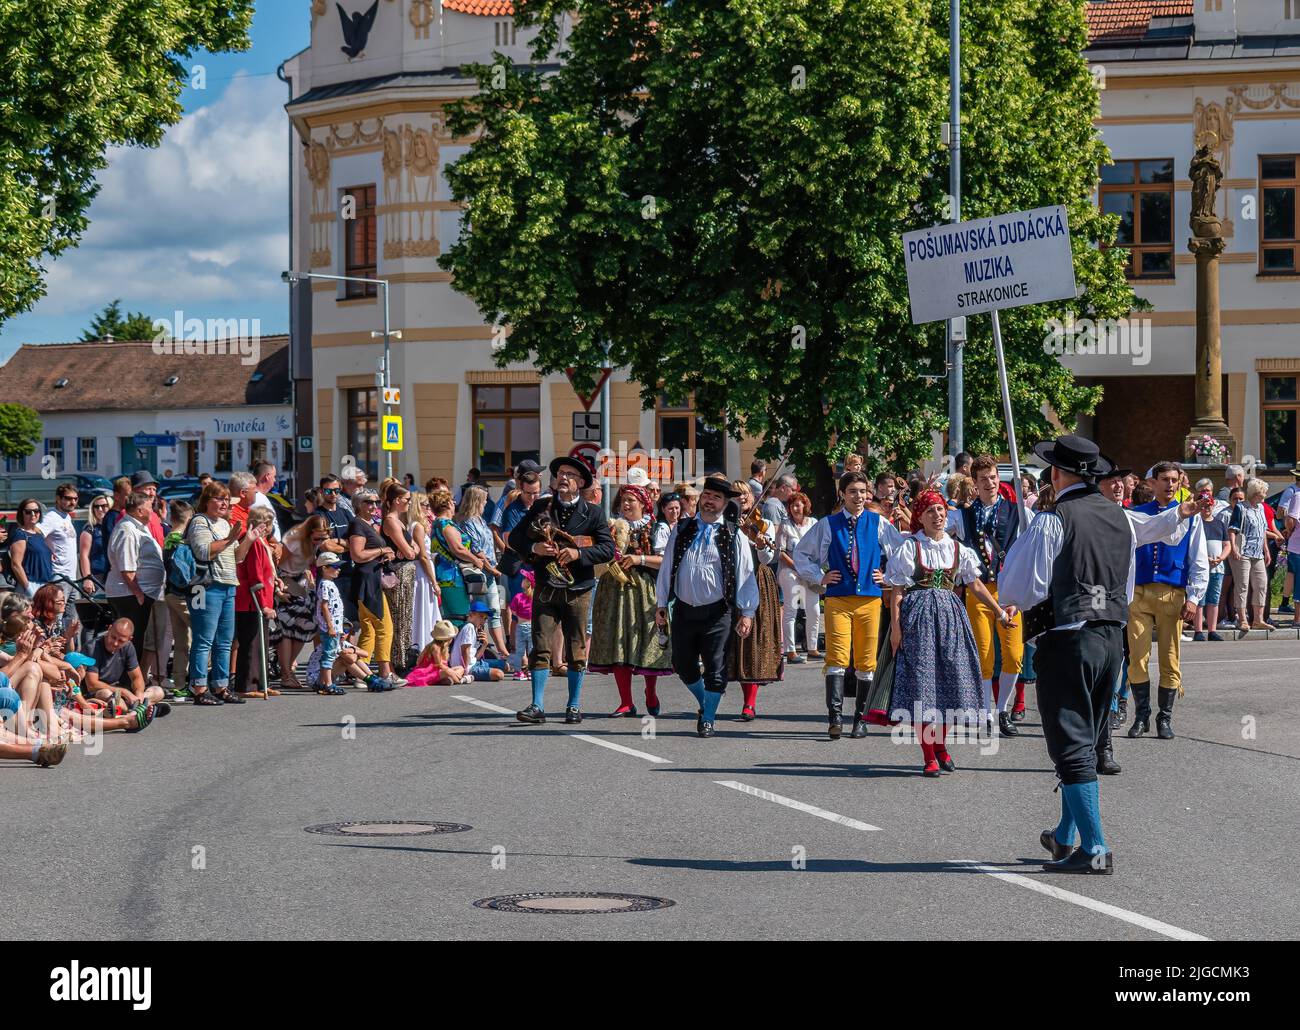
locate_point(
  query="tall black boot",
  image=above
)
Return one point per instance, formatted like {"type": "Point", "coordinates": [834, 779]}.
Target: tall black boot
{"type": "Point", "coordinates": [1106, 764]}
{"type": "Point", "coordinates": [1164, 718]}
{"type": "Point", "coordinates": [864, 680]}
{"type": "Point", "coordinates": [1142, 709]}
{"type": "Point", "coordinates": [835, 704]}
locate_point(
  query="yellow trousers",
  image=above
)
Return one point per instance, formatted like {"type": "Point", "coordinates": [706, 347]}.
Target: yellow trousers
{"type": "Point", "coordinates": [376, 633]}
{"type": "Point", "coordinates": [984, 623]}
{"type": "Point", "coordinates": [1158, 608]}
{"type": "Point", "coordinates": [856, 621]}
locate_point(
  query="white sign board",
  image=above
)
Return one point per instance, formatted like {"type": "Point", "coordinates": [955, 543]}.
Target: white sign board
{"type": "Point", "coordinates": [1003, 262]}
{"type": "Point", "coordinates": [392, 395]}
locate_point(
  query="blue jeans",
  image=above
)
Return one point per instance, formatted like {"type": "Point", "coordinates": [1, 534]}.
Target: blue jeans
{"type": "Point", "coordinates": [1214, 589]}
{"type": "Point", "coordinates": [212, 627]}
{"type": "Point", "coordinates": [523, 642]}
{"type": "Point", "coordinates": [482, 669]}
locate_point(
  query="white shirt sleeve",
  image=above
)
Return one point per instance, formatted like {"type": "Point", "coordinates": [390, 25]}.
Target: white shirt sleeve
{"type": "Point", "coordinates": [891, 539]}
{"type": "Point", "coordinates": [1198, 577]}
{"type": "Point", "coordinates": [746, 580]}
{"type": "Point", "coordinates": [968, 570]}
{"type": "Point", "coordinates": [1027, 571]}
{"type": "Point", "coordinates": [1163, 528]}
{"type": "Point", "coordinates": [902, 563]}
{"type": "Point", "coordinates": [811, 554]}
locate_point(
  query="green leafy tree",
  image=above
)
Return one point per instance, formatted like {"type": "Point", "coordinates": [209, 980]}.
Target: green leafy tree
{"type": "Point", "coordinates": [20, 430]}
{"type": "Point", "coordinates": [77, 77]}
{"type": "Point", "coordinates": [135, 325]}
{"type": "Point", "coordinates": [718, 191]}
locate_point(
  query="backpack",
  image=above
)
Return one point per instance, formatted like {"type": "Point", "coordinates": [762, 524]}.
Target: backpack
{"type": "Point", "coordinates": [182, 568]}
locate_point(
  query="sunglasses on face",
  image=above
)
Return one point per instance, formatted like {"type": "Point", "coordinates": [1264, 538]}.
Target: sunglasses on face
{"type": "Point", "coordinates": [31, 511]}
{"type": "Point", "coordinates": [329, 489]}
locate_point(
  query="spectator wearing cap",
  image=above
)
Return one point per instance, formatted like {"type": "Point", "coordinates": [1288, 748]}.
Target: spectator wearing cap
{"type": "Point", "coordinates": [136, 571]}
{"type": "Point", "coordinates": [142, 481]}
{"type": "Point", "coordinates": [467, 650]}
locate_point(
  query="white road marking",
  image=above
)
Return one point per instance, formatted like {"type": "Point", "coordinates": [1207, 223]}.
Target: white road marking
{"type": "Point", "coordinates": [619, 747]}
{"type": "Point", "coordinates": [483, 704]}
{"type": "Point", "coordinates": [799, 806]}
{"type": "Point", "coordinates": [1237, 661]}
{"type": "Point", "coordinates": [580, 736]}
{"type": "Point", "coordinates": [1083, 901]}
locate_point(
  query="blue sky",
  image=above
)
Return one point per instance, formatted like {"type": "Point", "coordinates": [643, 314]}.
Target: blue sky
{"type": "Point", "coordinates": [199, 224]}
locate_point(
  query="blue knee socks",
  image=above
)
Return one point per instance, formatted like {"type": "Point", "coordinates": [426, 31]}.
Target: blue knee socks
{"type": "Point", "coordinates": [1085, 806]}
{"type": "Point", "coordinates": [539, 686]}
{"type": "Point", "coordinates": [1066, 828]}
{"type": "Point", "coordinates": [697, 691]}
{"type": "Point", "coordinates": [575, 687]}
{"type": "Point", "coordinates": [712, 699]}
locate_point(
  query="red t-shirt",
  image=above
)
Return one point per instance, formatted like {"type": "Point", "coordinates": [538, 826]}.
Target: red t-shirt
{"type": "Point", "coordinates": [238, 514]}
{"type": "Point", "coordinates": [255, 568]}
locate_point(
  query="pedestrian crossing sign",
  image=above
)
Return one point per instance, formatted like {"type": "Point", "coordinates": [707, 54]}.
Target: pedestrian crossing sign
{"type": "Point", "coordinates": [392, 432]}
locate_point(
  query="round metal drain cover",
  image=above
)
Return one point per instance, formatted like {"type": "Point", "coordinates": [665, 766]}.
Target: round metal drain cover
{"type": "Point", "coordinates": [390, 828]}
{"type": "Point", "coordinates": [561, 903]}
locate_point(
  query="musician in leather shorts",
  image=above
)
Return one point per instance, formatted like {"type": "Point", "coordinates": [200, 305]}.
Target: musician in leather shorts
{"type": "Point", "coordinates": [563, 537]}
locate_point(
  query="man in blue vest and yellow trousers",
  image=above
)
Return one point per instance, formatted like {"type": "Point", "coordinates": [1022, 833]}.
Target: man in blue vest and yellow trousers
{"type": "Point", "coordinates": [1170, 584]}
{"type": "Point", "coordinates": [849, 546]}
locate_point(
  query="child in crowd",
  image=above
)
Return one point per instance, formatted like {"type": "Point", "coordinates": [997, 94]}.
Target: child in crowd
{"type": "Point", "coordinates": [434, 665]}
{"type": "Point", "coordinates": [333, 650]}
{"type": "Point", "coordinates": [468, 652]}
{"type": "Point", "coordinates": [522, 606]}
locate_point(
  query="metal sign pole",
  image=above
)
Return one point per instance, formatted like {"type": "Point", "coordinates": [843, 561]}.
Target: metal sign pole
{"type": "Point", "coordinates": [1011, 425]}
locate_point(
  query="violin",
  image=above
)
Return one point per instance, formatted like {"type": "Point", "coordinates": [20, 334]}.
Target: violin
{"type": "Point", "coordinates": [760, 531]}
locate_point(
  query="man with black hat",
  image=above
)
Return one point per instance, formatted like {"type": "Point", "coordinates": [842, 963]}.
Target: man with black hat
{"type": "Point", "coordinates": [709, 572]}
{"type": "Point", "coordinates": [563, 564]}
{"type": "Point", "coordinates": [1071, 573]}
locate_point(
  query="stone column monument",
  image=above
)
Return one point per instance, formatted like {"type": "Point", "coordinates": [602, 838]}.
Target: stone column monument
{"type": "Point", "coordinates": [1207, 244]}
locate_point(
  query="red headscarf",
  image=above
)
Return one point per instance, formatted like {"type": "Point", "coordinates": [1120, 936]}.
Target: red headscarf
{"type": "Point", "coordinates": [640, 493]}
{"type": "Point", "coordinates": [924, 500]}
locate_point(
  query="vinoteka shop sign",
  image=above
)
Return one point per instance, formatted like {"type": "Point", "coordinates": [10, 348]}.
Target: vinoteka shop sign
{"type": "Point", "coordinates": [1003, 262]}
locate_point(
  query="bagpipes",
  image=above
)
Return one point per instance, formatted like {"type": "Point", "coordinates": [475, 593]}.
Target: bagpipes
{"type": "Point", "coordinates": [543, 529]}
{"type": "Point", "coordinates": [627, 542]}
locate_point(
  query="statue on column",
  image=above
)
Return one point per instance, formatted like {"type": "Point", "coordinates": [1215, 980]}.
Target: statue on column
{"type": "Point", "coordinates": [1206, 175]}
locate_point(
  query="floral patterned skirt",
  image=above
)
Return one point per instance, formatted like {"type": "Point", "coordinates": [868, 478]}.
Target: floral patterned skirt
{"type": "Point", "coordinates": [937, 670]}
{"type": "Point", "coordinates": [623, 631]}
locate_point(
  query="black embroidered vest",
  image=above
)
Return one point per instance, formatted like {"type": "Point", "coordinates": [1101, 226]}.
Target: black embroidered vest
{"type": "Point", "coordinates": [726, 542]}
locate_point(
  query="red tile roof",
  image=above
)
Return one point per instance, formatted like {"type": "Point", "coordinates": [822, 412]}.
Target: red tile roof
{"type": "Point", "coordinates": [497, 8]}
{"type": "Point", "coordinates": [129, 376]}
{"type": "Point", "coordinates": [1114, 20]}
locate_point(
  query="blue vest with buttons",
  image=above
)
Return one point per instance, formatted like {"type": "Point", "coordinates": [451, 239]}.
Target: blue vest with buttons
{"type": "Point", "coordinates": [868, 533]}
{"type": "Point", "coordinates": [1161, 563]}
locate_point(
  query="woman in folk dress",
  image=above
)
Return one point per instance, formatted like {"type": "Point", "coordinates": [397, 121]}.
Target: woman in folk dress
{"type": "Point", "coordinates": [936, 664]}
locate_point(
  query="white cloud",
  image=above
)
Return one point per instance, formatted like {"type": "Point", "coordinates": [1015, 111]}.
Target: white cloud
{"type": "Point", "coordinates": [198, 223]}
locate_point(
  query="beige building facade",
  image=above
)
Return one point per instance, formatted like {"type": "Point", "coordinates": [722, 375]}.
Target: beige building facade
{"type": "Point", "coordinates": [370, 198]}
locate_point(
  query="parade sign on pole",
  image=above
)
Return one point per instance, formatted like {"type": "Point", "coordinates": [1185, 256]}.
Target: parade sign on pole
{"type": "Point", "coordinates": [984, 266]}
{"type": "Point", "coordinates": [974, 267]}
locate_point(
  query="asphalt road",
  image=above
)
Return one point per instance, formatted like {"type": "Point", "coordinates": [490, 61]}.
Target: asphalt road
{"type": "Point", "coordinates": [195, 828]}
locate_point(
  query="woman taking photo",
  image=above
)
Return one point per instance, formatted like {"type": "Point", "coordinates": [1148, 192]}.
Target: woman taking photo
{"type": "Point", "coordinates": [215, 543]}
{"type": "Point", "coordinates": [396, 531]}
{"type": "Point", "coordinates": [449, 553]}
{"type": "Point", "coordinates": [30, 562]}
{"type": "Point", "coordinates": [624, 638]}
{"type": "Point", "coordinates": [427, 612]}
{"type": "Point", "coordinates": [368, 552]}
{"type": "Point", "coordinates": [92, 546]}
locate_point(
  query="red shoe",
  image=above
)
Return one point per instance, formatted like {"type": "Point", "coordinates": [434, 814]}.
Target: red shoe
{"type": "Point", "coordinates": [945, 761]}
{"type": "Point", "coordinates": [931, 769]}
{"type": "Point", "coordinates": [747, 714]}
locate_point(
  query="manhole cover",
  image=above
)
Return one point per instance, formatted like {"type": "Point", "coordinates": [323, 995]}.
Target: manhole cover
{"type": "Point", "coordinates": [393, 828]}
{"type": "Point", "coordinates": [558, 903]}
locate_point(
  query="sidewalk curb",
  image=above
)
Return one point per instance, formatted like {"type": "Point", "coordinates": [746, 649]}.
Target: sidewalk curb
{"type": "Point", "coordinates": [1286, 633]}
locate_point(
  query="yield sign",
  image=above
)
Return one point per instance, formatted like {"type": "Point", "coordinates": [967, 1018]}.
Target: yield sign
{"type": "Point", "coordinates": [588, 399]}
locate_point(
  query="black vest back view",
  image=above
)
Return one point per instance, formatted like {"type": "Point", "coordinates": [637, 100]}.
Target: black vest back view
{"type": "Point", "coordinates": [1090, 575]}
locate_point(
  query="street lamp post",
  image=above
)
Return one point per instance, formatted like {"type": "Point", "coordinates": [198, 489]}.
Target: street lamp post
{"type": "Point", "coordinates": [387, 334]}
